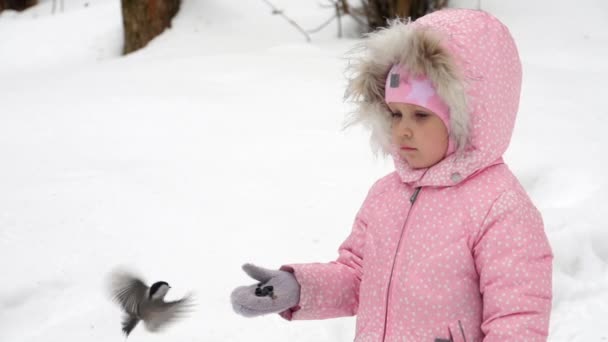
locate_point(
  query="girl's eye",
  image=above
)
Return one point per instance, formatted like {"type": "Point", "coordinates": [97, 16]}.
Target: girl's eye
{"type": "Point", "coordinates": [421, 115]}
{"type": "Point", "coordinates": [395, 115]}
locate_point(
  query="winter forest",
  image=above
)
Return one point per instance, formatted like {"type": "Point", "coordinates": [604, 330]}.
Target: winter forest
{"type": "Point", "coordinates": [182, 139]}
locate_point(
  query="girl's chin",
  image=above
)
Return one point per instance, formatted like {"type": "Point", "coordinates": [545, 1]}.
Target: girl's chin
{"type": "Point", "coordinates": [415, 163]}
{"type": "Point", "coordinates": [408, 156]}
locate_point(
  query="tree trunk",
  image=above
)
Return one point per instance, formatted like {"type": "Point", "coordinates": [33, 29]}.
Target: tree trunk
{"type": "Point", "coordinates": [379, 11]}
{"type": "Point", "coordinates": [18, 5]}
{"type": "Point", "coordinates": [403, 8]}
{"type": "Point", "coordinates": [145, 19]}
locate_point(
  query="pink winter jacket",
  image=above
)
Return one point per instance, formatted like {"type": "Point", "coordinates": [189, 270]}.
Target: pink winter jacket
{"type": "Point", "coordinates": [455, 252]}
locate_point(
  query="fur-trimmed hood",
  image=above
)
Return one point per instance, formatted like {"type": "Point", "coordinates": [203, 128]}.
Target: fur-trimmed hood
{"type": "Point", "coordinates": [473, 63]}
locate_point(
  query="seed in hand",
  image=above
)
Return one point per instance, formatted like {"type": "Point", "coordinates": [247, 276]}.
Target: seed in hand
{"type": "Point", "coordinates": [265, 291]}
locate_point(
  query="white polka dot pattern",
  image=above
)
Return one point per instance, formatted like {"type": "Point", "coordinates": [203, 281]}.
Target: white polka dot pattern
{"type": "Point", "coordinates": [474, 255]}
{"type": "Point", "coordinates": [469, 259]}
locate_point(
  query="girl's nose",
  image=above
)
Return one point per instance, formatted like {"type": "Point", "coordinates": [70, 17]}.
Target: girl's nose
{"type": "Point", "coordinates": [403, 129]}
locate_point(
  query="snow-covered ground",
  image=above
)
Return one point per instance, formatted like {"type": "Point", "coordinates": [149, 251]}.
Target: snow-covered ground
{"type": "Point", "coordinates": [220, 143]}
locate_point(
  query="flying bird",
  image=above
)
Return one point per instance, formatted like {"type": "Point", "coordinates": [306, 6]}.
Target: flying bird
{"type": "Point", "coordinates": [142, 303]}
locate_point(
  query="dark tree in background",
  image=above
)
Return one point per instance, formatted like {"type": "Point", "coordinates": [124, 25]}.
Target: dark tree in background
{"type": "Point", "coordinates": [18, 5]}
{"type": "Point", "coordinates": [377, 12]}
{"type": "Point", "coordinates": [145, 19]}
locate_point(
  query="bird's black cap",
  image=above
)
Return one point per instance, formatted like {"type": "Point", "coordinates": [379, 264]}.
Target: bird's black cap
{"type": "Point", "coordinates": [156, 286]}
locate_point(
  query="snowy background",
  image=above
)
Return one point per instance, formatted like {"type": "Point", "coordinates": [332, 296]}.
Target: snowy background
{"type": "Point", "coordinates": [220, 143]}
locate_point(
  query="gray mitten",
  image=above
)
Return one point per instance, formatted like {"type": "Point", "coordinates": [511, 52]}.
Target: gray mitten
{"type": "Point", "coordinates": [276, 292]}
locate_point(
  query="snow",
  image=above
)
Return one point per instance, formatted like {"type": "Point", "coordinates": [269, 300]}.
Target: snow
{"type": "Point", "coordinates": [220, 143]}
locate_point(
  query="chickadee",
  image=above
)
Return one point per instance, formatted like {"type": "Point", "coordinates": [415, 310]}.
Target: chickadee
{"type": "Point", "coordinates": [144, 303]}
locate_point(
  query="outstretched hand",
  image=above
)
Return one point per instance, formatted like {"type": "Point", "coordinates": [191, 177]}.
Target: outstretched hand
{"type": "Point", "coordinates": [276, 291]}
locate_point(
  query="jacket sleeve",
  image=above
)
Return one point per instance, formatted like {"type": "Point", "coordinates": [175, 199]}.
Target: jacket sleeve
{"type": "Point", "coordinates": [331, 289]}
{"type": "Point", "coordinates": [514, 261]}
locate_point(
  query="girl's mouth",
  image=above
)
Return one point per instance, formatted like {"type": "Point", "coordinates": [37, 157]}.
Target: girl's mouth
{"type": "Point", "coordinates": [407, 148]}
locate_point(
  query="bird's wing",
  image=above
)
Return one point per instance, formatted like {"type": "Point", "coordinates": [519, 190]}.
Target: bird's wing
{"type": "Point", "coordinates": [128, 291]}
{"type": "Point", "coordinates": [160, 313]}
{"type": "Point", "coordinates": [128, 324]}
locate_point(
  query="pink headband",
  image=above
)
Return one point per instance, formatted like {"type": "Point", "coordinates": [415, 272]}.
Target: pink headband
{"type": "Point", "coordinates": [403, 87]}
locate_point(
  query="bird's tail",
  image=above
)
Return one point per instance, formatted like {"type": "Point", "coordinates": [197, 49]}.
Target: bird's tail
{"type": "Point", "coordinates": [128, 324]}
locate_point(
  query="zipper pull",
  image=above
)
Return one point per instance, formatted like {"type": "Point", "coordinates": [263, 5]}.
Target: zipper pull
{"type": "Point", "coordinates": [415, 195]}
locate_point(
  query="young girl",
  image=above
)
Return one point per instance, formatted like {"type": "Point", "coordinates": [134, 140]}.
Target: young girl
{"type": "Point", "coordinates": [448, 247]}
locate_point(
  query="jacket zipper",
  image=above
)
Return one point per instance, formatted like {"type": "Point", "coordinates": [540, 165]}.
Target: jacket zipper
{"type": "Point", "coordinates": [390, 278]}
{"type": "Point", "coordinates": [462, 331]}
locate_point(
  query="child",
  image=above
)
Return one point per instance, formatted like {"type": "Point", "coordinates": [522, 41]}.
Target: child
{"type": "Point", "coordinates": [448, 247]}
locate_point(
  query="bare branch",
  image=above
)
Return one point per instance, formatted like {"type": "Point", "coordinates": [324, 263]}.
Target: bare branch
{"type": "Point", "coordinates": [54, 5]}
{"type": "Point", "coordinates": [357, 14]}
{"type": "Point", "coordinates": [339, 15]}
{"type": "Point", "coordinates": [327, 22]}
{"type": "Point", "coordinates": [293, 23]}
{"type": "Point", "coordinates": [340, 10]}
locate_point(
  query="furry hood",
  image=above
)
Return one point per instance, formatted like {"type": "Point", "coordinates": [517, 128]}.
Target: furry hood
{"type": "Point", "coordinates": [473, 63]}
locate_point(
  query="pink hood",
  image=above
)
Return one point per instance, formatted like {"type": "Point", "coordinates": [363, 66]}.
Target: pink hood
{"type": "Point", "coordinates": [474, 64]}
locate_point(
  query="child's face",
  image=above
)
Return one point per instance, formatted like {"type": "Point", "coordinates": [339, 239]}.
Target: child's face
{"type": "Point", "coordinates": [419, 134]}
